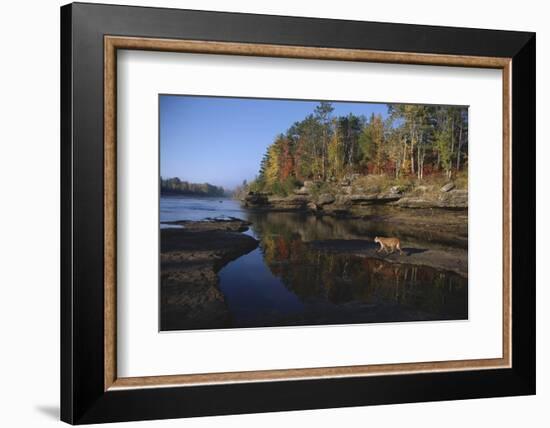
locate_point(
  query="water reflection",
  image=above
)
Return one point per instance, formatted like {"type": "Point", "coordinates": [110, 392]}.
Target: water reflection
{"type": "Point", "coordinates": [287, 281]}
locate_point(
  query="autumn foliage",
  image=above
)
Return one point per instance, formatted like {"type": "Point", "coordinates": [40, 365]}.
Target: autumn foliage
{"type": "Point", "coordinates": [413, 140]}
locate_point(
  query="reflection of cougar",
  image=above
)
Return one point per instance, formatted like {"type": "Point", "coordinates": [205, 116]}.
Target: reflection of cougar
{"type": "Point", "coordinates": [391, 243]}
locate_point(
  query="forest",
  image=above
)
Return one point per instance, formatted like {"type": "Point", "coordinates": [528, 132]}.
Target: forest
{"type": "Point", "coordinates": [413, 141]}
{"type": "Point", "coordinates": [175, 186]}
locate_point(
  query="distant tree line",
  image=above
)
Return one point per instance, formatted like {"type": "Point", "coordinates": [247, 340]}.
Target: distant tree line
{"type": "Point", "coordinates": [414, 140]}
{"type": "Point", "coordinates": [176, 186]}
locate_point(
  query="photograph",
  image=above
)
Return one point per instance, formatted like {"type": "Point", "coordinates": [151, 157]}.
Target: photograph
{"type": "Point", "coordinates": [263, 211]}
{"type": "Point", "coordinates": [284, 212]}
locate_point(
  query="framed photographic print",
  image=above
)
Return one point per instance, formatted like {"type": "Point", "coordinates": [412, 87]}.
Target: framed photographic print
{"type": "Point", "coordinates": [265, 213]}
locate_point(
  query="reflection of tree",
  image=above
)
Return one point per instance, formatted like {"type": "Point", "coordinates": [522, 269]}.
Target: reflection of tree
{"type": "Point", "coordinates": [314, 275]}
{"type": "Point", "coordinates": [311, 228]}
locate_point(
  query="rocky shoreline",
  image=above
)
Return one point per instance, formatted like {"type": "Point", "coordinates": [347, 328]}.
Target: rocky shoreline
{"type": "Point", "coordinates": [345, 198]}
{"type": "Point", "coordinates": [193, 252]}
{"type": "Point", "coordinates": [191, 256]}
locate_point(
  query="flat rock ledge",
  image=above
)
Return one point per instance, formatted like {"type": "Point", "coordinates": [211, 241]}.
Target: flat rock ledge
{"type": "Point", "coordinates": [191, 257]}
{"type": "Point", "coordinates": [227, 224]}
{"type": "Point", "coordinates": [344, 203]}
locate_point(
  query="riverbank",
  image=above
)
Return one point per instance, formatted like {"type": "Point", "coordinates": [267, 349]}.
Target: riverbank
{"type": "Point", "coordinates": [191, 256]}
{"type": "Point", "coordinates": [357, 194]}
{"type": "Point", "coordinates": [316, 269]}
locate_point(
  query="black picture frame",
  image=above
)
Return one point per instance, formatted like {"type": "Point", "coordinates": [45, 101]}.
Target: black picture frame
{"type": "Point", "coordinates": [83, 399]}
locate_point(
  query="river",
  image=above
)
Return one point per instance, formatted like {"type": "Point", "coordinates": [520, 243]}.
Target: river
{"type": "Point", "coordinates": [286, 281]}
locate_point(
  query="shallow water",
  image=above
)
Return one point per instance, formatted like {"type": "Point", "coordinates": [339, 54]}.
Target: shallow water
{"type": "Point", "coordinates": [287, 282]}
{"type": "Point", "coordinates": [173, 208]}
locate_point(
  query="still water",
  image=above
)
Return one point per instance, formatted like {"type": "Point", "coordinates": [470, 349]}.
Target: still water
{"type": "Point", "coordinates": [287, 281]}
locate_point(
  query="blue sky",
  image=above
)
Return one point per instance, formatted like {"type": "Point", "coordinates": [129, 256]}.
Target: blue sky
{"type": "Point", "coordinates": [221, 141]}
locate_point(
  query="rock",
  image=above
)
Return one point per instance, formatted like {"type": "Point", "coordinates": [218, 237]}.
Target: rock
{"type": "Point", "coordinates": [397, 190]}
{"type": "Point", "coordinates": [373, 198]}
{"type": "Point", "coordinates": [192, 299]}
{"type": "Point", "coordinates": [341, 206]}
{"type": "Point", "coordinates": [384, 198]}
{"type": "Point", "coordinates": [186, 244]}
{"type": "Point", "coordinates": [255, 199]}
{"type": "Point", "coordinates": [325, 199]}
{"type": "Point", "coordinates": [343, 201]}
{"type": "Point", "coordinates": [227, 224]}
{"type": "Point", "coordinates": [363, 198]}
{"type": "Point", "coordinates": [447, 187]}
{"type": "Point", "coordinates": [191, 257]}
{"type": "Point", "coordinates": [346, 190]}
{"type": "Point", "coordinates": [312, 206]}
{"type": "Point", "coordinates": [454, 199]}
{"type": "Point", "coordinates": [410, 202]}
{"type": "Point", "coordinates": [302, 191]}
{"type": "Point", "coordinates": [450, 199]}
{"type": "Point", "coordinates": [288, 203]}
